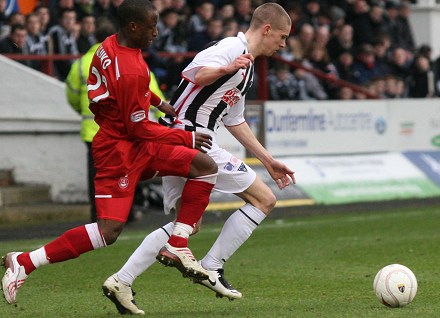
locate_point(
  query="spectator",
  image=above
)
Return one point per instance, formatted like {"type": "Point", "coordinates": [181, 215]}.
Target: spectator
{"type": "Point", "coordinates": [359, 19]}
{"type": "Point", "coordinates": [213, 32]}
{"type": "Point", "coordinates": [343, 42]}
{"type": "Point", "coordinates": [230, 27]}
{"type": "Point", "coordinates": [344, 66]}
{"type": "Point", "coordinates": [367, 22]}
{"type": "Point", "coordinates": [57, 8]}
{"type": "Point", "coordinates": [396, 26]}
{"type": "Point", "coordinates": [421, 79]}
{"type": "Point", "coordinates": [64, 42]}
{"type": "Point", "coordinates": [36, 42]}
{"type": "Point", "coordinates": [317, 58]}
{"type": "Point", "coordinates": [381, 48]}
{"type": "Point", "coordinates": [198, 21]}
{"type": "Point", "coordinates": [44, 15]}
{"type": "Point", "coordinates": [283, 85]}
{"type": "Point", "coordinates": [14, 18]}
{"type": "Point", "coordinates": [406, 37]}
{"type": "Point", "coordinates": [322, 36]}
{"type": "Point", "coordinates": [227, 11]}
{"type": "Point", "coordinates": [364, 66]}
{"type": "Point", "coordinates": [105, 8]}
{"type": "Point", "coordinates": [392, 89]}
{"type": "Point", "coordinates": [399, 63]}
{"type": "Point", "coordinates": [167, 28]}
{"type": "Point", "coordinates": [243, 13]}
{"type": "Point", "coordinates": [15, 42]}
{"type": "Point", "coordinates": [86, 38]}
{"type": "Point", "coordinates": [310, 13]}
{"type": "Point", "coordinates": [306, 35]}
{"type": "Point", "coordinates": [345, 93]}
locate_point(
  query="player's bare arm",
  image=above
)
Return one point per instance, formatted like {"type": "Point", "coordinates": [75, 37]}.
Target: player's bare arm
{"type": "Point", "coordinates": [166, 108]}
{"type": "Point", "coordinates": [279, 172]}
{"type": "Point", "coordinates": [207, 75]}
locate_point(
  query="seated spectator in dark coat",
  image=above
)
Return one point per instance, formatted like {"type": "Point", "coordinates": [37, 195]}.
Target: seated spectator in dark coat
{"type": "Point", "coordinates": [86, 38]}
{"type": "Point", "coordinates": [15, 42]}
{"type": "Point", "coordinates": [168, 33]}
{"type": "Point", "coordinates": [213, 32]}
{"type": "Point", "coordinates": [344, 66]}
{"type": "Point", "coordinates": [421, 79]}
{"type": "Point", "coordinates": [283, 85]}
{"type": "Point", "coordinates": [399, 63]}
{"type": "Point", "coordinates": [341, 43]}
{"type": "Point", "coordinates": [364, 66]}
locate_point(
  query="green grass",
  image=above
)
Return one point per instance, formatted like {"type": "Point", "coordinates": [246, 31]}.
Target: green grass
{"type": "Point", "coordinates": [315, 266]}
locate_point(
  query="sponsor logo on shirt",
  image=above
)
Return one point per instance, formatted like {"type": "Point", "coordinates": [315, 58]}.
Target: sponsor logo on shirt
{"type": "Point", "coordinates": [138, 116]}
{"type": "Point", "coordinates": [242, 167]}
{"type": "Point", "coordinates": [229, 166]}
{"type": "Point", "coordinates": [232, 96]}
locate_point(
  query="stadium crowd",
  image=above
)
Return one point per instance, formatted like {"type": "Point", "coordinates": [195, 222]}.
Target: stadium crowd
{"type": "Point", "coordinates": [365, 42]}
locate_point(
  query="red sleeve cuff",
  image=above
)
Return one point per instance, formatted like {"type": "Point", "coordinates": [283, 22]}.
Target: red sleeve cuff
{"type": "Point", "coordinates": [155, 100]}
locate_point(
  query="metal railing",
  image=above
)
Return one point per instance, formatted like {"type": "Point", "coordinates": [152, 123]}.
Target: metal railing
{"type": "Point", "coordinates": [261, 65]}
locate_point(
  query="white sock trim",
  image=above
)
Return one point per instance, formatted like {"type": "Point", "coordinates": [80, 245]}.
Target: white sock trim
{"type": "Point", "coordinates": [39, 257]}
{"type": "Point", "coordinates": [209, 178]}
{"type": "Point", "coordinates": [95, 235]}
{"type": "Point", "coordinates": [254, 214]}
{"type": "Point", "coordinates": [182, 230]}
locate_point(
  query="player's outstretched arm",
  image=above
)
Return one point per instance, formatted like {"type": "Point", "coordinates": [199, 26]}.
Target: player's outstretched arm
{"type": "Point", "coordinates": [279, 172]}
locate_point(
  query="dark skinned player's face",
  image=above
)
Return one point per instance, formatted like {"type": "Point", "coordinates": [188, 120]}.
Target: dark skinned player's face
{"type": "Point", "coordinates": [146, 31]}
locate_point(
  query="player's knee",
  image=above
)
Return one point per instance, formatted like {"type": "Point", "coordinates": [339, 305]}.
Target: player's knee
{"type": "Point", "coordinates": [202, 165]}
{"type": "Point", "coordinates": [211, 166]}
{"type": "Point", "coordinates": [267, 201]}
{"type": "Point", "coordinates": [111, 231]}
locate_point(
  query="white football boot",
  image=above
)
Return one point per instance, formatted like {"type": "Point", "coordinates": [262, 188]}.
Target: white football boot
{"type": "Point", "coordinates": [218, 283]}
{"type": "Point", "coordinates": [121, 295]}
{"type": "Point", "coordinates": [14, 277]}
{"type": "Point", "coordinates": [183, 259]}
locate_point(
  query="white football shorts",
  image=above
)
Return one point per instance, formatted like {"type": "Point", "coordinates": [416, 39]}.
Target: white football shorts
{"type": "Point", "coordinates": [234, 176]}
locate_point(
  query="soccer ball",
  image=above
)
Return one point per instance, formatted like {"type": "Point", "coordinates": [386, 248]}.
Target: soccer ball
{"type": "Point", "coordinates": [395, 285]}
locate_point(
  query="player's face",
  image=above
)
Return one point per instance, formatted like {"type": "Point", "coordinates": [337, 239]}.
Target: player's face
{"type": "Point", "coordinates": [276, 40]}
{"type": "Point", "coordinates": [146, 30]}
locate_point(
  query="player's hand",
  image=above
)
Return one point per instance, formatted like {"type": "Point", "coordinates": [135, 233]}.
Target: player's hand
{"type": "Point", "coordinates": [202, 141]}
{"type": "Point", "coordinates": [241, 62]}
{"type": "Point", "coordinates": [281, 174]}
{"type": "Point", "coordinates": [167, 109]}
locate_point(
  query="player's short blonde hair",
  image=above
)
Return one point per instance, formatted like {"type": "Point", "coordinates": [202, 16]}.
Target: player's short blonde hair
{"type": "Point", "coordinates": [270, 13]}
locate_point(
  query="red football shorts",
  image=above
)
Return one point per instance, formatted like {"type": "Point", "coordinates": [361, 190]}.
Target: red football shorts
{"type": "Point", "coordinates": [120, 166]}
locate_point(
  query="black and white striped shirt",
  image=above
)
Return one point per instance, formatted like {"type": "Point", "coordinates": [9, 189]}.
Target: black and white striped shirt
{"type": "Point", "coordinates": [223, 100]}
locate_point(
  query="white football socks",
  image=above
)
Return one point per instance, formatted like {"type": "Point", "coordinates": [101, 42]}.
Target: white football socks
{"type": "Point", "coordinates": [236, 230]}
{"type": "Point", "coordinates": [145, 255]}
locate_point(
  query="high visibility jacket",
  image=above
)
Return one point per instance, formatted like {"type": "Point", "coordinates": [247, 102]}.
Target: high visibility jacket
{"type": "Point", "coordinates": [76, 92]}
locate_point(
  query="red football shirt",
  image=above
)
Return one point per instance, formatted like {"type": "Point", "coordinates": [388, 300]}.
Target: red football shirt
{"type": "Point", "coordinates": [120, 97]}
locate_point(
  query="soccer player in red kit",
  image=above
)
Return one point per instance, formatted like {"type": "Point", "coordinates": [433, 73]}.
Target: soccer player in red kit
{"type": "Point", "coordinates": [128, 148]}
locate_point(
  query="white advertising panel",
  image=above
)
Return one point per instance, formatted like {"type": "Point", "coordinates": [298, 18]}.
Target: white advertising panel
{"type": "Point", "coordinates": [333, 127]}
{"type": "Point", "coordinates": [360, 178]}
{"type": "Point", "coordinates": [415, 124]}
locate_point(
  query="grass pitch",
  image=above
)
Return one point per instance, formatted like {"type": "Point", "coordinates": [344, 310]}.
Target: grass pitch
{"type": "Point", "coordinates": [311, 266]}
